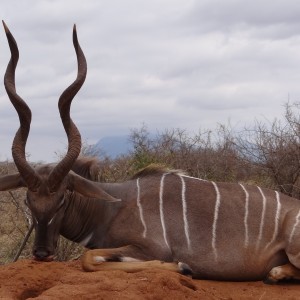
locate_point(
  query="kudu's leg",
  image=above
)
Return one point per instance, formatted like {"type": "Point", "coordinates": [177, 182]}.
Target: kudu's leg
{"type": "Point", "coordinates": [123, 259]}
{"type": "Point", "coordinates": [284, 272]}
{"type": "Point", "coordinates": [291, 270]}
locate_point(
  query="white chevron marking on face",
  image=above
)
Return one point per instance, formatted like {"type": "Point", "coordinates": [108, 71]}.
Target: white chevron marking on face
{"type": "Point", "coordinates": [184, 211]}
{"type": "Point", "coordinates": [216, 215]}
{"type": "Point", "coordinates": [161, 210]}
{"type": "Point", "coordinates": [139, 204]}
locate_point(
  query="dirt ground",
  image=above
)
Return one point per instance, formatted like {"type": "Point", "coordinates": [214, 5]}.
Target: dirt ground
{"type": "Point", "coordinates": [27, 279]}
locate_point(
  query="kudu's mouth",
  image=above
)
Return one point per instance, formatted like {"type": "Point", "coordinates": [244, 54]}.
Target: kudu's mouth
{"type": "Point", "coordinates": [44, 259]}
{"type": "Point", "coordinates": [43, 254]}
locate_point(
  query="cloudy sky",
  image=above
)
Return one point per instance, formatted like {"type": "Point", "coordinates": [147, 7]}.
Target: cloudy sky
{"type": "Point", "coordinates": [167, 63]}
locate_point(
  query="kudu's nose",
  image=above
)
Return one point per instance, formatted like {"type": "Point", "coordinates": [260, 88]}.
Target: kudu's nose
{"type": "Point", "coordinates": [42, 254]}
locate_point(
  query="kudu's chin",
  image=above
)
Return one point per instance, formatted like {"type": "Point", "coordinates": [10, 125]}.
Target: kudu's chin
{"type": "Point", "coordinates": [44, 259]}
{"type": "Point", "coordinates": [42, 255]}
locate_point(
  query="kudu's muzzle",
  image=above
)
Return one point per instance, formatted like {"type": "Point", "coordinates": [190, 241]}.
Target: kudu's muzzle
{"type": "Point", "coordinates": [45, 242]}
{"type": "Point", "coordinates": [42, 254]}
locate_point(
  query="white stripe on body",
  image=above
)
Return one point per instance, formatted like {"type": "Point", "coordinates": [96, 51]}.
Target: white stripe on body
{"type": "Point", "coordinates": [186, 176]}
{"type": "Point", "coordinates": [216, 215]}
{"type": "Point", "coordinates": [86, 240]}
{"type": "Point", "coordinates": [276, 226]}
{"type": "Point", "coordinates": [294, 227]}
{"type": "Point", "coordinates": [184, 211]}
{"type": "Point", "coordinates": [246, 243]}
{"type": "Point", "coordinates": [139, 204]}
{"type": "Point", "coordinates": [161, 211]}
{"type": "Point", "coordinates": [262, 220]}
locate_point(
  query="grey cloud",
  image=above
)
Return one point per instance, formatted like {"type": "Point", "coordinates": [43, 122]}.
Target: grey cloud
{"type": "Point", "coordinates": [170, 63]}
{"type": "Point", "coordinates": [235, 15]}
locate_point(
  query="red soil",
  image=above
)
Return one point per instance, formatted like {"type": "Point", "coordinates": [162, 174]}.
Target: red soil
{"type": "Point", "coordinates": [27, 279]}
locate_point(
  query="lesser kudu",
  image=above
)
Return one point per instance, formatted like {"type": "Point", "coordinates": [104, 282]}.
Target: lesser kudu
{"type": "Point", "coordinates": [160, 218]}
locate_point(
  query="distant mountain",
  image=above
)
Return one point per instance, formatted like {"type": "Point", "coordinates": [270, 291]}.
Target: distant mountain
{"type": "Point", "coordinates": [114, 146]}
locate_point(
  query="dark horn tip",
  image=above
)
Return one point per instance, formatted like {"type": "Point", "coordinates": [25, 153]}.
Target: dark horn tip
{"type": "Point", "coordinates": [5, 27]}
{"type": "Point", "coordinates": [75, 41]}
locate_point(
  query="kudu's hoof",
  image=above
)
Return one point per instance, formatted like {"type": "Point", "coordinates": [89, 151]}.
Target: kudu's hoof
{"type": "Point", "coordinates": [270, 280]}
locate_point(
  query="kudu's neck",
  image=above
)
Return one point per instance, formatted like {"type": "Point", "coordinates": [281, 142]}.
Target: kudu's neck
{"type": "Point", "coordinates": [86, 220]}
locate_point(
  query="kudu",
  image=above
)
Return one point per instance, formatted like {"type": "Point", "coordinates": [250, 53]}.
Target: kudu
{"type": "Point", "coordinates": [160, 218]}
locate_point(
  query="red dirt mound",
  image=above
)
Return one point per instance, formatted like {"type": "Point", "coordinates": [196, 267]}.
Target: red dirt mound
{"type": "Point", "coordinates": [28, 279]}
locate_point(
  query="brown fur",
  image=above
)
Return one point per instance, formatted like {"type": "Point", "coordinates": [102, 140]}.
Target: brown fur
{"type": "Point", "coordinates": [155, 169]}
{"type": "Point", "coordinates": [87, 167]}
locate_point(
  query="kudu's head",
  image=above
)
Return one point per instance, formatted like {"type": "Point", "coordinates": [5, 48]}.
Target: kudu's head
{"type": "Point", "coordinates": [47, 184]}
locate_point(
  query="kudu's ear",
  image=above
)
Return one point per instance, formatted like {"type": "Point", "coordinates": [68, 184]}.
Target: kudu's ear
{"type": "Point", "coordinates": [10, 182]}
{"type": "Point", "coordinates": [88, 188]}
